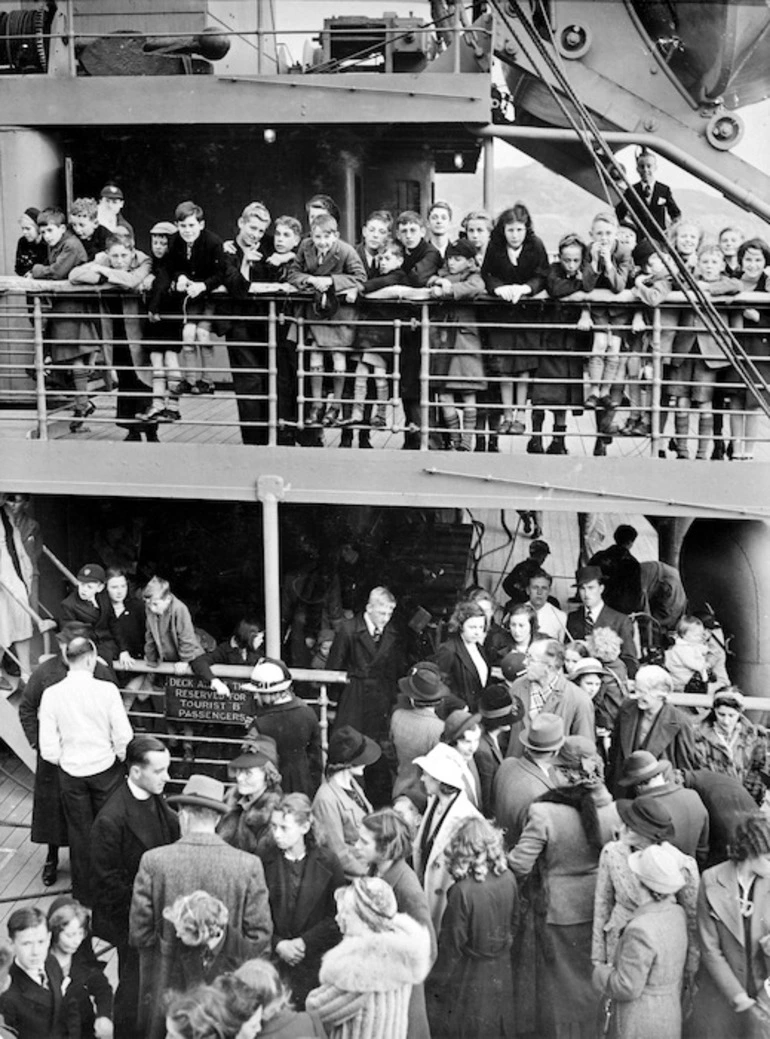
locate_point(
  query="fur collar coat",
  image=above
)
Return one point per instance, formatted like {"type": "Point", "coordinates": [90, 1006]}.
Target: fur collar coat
{"type": "Point", "coordinates": [367, 980]}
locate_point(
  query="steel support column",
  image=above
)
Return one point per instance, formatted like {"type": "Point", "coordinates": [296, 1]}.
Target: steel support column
{"type": "Point", "coordinates": [270, 491]}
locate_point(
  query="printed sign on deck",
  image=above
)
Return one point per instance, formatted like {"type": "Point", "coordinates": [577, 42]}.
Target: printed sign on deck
{"type": "Point", "coordinates": [189, 699]}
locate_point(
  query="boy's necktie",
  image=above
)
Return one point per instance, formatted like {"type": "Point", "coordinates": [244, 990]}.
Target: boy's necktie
{"type": "Point", "coordinates": [589, 622]}
{"type": "Point", "coordinates": [42, 979]}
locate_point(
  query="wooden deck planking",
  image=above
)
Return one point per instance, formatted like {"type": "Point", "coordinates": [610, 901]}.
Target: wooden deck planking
{"type": "Point", "coordinates": [21, 861]}
{"type": "Point", "coordinates": [213, 420]}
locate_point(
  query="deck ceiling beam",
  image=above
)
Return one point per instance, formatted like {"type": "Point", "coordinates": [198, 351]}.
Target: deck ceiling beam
{"type": "Point", "coordinates": [265, 100]}
{"type": "Point", "coordinates": [220, 472]}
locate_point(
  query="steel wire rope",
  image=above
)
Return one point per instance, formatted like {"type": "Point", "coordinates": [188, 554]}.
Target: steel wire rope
{"type": "Point", "coordinates": [731, 348]}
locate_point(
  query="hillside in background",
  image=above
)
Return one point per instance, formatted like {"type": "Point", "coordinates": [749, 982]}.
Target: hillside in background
{"type": "Point", "coordinates": [557, 205]}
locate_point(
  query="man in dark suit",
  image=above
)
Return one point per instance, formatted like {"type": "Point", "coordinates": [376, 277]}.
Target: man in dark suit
{"type": "Point", "coordinates": [32, 1004]}
{"type": "Point", "coordinates": [135, 819]}
{"type": "Point", "coordinates": [594, 613]}
{"type": "Point", "coordinates": [656, 208]}
{"type": "Point", "coordinates": [648, 722]}
{"type": "Point", "coordinates": [498, 713]}
{"type": "Point", "coordinates": [520, 781]}
{"type": "Point", "coordinates": [644, 775]}
{"type": "Point", "coordinates": [199, 861]}
{"type": "Point", "coordinates": [370, 649]}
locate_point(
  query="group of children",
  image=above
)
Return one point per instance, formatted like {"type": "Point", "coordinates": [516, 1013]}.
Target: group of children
{"type": "Point", "coordinates": [489, 366]}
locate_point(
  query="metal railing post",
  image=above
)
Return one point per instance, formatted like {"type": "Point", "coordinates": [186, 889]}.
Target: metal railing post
{"type": "Point", "coordinates": [42, 403]}
{"type": "Point", "coordinates": [72, 65]}
{"type": "Point", "coordinates": [323, 720]}
{"type": "Point", "coordinates": [301, 398]}
{"type": "Point", "coordinates": [424, 377]}
{"type": "Point", "coordinates": [272, 376]}
{"type": "Point", "coordinates": [657, 384]}
{"type": "Point", "coordinates": [270, 490]}
{"type": "Point", "coordinates": [396, 386]}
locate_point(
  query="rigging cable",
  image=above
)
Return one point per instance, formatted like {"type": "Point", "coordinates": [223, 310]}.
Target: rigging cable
{"type": "Point", "coordinates": [595, 143]}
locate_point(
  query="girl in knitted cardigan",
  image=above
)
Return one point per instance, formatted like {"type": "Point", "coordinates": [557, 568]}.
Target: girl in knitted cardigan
{"type": "Point", "coordinates": [366, 980]}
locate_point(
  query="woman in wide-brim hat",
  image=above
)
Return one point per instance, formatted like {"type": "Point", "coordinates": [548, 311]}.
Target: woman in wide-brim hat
{"type": "Point", "coordinates": [340, 803]}
{"type": "Point", "coordinates": [646, 822]}
{"type": "Point", "coordinates": [644, 981]}
{"type": "Point", "coordinates": [253, 797]}
{"type": "Point", "coordinates": [448, 806]}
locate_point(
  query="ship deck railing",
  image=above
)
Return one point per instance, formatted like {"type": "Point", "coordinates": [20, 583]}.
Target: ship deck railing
{"type": "Point", "coordinates": [210, 745]}
{"type": "Point", "coordinates": [34, 409]}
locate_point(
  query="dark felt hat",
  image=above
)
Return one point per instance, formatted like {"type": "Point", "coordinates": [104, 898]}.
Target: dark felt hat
{"type": "Point", "coordinates": [647, 816]}
{"type": "Point", "coordinates": [457, 723]}
{"type": "Point", "coordinates": [639, 767]}
{"type": "Point", "coordinates": [256, 747]}
{"type": "Point", "coordinates": [497, 707]}
{"type": "Point", "coordinates": [579, 753]}
{"type": "Point", "coordinates": [349, 747]}
{"type": "Point", "coordinates": [423, 683]}
{"type": "Point", "coordinates": [586, 574]}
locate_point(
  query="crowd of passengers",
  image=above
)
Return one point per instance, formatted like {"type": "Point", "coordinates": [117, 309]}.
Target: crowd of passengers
{"type": "Point", "coordinates": [494, 370]}
{"type": "Point", "coordinates": [520, 836]}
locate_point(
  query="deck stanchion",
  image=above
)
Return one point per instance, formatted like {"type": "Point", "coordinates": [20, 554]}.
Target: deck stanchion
{"type": "Point", "coordinates": [270, 490]}
{"type": "Point", "coordinates": [272, 376]}
{"type": "Point", "coordinates": [657, 384]}
{"type": "Point", "coordinates": [424, 376]}
{"type": "Point", "coordinates": [42, 404]}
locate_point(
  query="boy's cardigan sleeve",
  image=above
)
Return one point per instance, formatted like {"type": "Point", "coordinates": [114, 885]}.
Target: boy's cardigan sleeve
{"type": "Point", "coordinates": [469, 288]}
{"type": "Point", "coordinates": [654, 293]}
{"type": "Point", "coordinates": [69, 255]}
{"type": "Point", "coordinates": [428, 265]}
{"type": "Point", "coordinates": [383, 281]}
{"type": "Point", "coordinates": [616, 274]}
{"type": "Point", "coordinates": [302, 265]}
{"type": "Point", "coordinates": [353, 273]}
{"type": "Point", "coordinates": [558, 284]}
{"type": "Point", "coordinates": [188, 646]}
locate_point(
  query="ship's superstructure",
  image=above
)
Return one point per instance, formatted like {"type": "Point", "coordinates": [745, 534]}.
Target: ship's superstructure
{"type": "Point", "coordinates": [204, 99]}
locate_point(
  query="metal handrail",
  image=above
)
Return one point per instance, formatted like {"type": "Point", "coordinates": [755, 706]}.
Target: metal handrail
{"type": "Point", "coordinates": [425, 318]}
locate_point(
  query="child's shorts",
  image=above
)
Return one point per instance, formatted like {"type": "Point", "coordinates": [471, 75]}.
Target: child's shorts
{"type": "Point", "coordinates": [198, 311]}
{"type": "Point", "coordinates": [701, 379]}
{"type": "Point", "coordinates": [609, 317]}
{"type": "Point", "coordinates": [374, 360]}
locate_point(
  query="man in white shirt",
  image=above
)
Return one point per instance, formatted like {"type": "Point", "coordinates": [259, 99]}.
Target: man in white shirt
{"type": "Point", "coordinates": [84, 730]}
{"type": "Point", "coordinates": [551, 621]}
